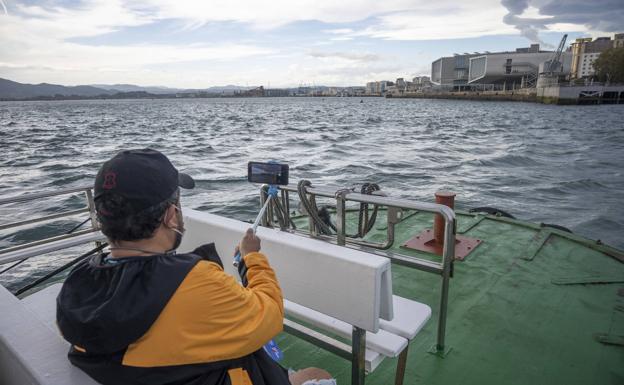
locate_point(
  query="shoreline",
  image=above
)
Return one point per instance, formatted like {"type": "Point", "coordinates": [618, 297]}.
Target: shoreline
{"type": "Point", "coordinates": [559, 95]}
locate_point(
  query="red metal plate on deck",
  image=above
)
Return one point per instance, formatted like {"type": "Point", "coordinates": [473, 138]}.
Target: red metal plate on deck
{"type": "Point", "coordinates": [425, 242]}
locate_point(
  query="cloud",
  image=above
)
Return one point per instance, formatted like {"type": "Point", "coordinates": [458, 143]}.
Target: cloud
{"type": "Point", "coordinates": [442, 20]}
{"type": "Point", "coordinates": [54, 40]}
{"type": "Point", "coordinates": [595, 15]}
{"type": "Point", "coordinates": [528, 27]}
{"type": "Point", "coordinates": [360, 57]}
{"type": "Point", "coordinates": [90, 18]}
{"type": "Point", "coordinates": [339, 31]}
{"type": "Point", "coordinates": [600, 15]}
{"type": "Point", "coordinates": [267, 14]}
{"type": "Point", "coordinates": [37, 42]}
{"type": "Point", "coordinates": [334, 71]}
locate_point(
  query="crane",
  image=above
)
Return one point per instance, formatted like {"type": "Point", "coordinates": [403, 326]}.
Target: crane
{"type": "Point", "coordinates": [555, 64]}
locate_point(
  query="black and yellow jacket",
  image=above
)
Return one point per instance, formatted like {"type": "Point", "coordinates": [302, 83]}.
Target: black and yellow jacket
{"type": "Point", "coordinates": [172, 319]}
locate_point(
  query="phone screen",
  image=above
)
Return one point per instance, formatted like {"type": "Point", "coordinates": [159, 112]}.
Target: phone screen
{"type": "Point", "coordinates": [269, 173]}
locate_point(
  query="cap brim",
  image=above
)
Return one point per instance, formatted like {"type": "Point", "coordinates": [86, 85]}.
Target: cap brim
{"type": "Point", "coordinates": [185, 181]}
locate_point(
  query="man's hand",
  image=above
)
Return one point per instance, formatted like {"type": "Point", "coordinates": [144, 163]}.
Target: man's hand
{"type": "Point", "coordinates": [249, 244]}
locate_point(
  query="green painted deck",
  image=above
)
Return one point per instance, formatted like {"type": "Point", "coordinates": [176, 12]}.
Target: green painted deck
{"type": "Point", "coordinates": [527, 306]}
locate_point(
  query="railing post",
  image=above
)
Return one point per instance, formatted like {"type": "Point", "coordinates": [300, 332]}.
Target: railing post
{"type": "Point", "coordinates": [447, 264]}
{"type": "Point", "coordinates": [91, 205]}
{"type": "Point", "coordinates": [341, 219]}
{"type": "Point", "coordinates": [286, 202]}
{"type": "Point", "coordinates": [92, 214]}
{"type": "Point", "coordinates": [358, 351]}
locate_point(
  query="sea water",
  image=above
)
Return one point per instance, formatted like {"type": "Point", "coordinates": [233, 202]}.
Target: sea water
{"type": "Point", "coordinates": [555, 164]}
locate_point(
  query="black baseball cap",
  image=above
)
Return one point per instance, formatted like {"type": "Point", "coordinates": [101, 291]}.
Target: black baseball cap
{"type": "Point", "coordinates": [144, 178]}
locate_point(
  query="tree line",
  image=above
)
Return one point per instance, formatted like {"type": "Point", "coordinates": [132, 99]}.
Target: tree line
{"type": "Point", "coordinates": [609, 66]}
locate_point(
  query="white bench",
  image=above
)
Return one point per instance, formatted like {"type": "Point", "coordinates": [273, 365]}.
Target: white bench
{"type": "Point", "coordinates": [334, 289]}
{"type": "Point", "coordinates": [31, 348]}
{"type": "Point", "coordinates": [317, 280]}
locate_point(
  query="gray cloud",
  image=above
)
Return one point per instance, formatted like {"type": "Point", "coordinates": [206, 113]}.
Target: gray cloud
{"type": "Point", "coordinates": [597, 15]}
{"type": "Point", "coordinates": [361, 57]}
{"type": "Point", "coordinates": [528, 27]}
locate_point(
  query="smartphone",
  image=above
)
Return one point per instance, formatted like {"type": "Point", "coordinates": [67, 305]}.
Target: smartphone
{"type": "Point", "coordinates": [268, 173]}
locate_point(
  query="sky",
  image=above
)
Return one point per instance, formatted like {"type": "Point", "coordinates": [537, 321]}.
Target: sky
{"type": "Point", "coordinates": [275, 43]}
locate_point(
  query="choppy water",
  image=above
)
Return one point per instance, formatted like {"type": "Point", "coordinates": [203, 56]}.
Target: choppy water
{"type": "Point", "coordinates": [552, 164]}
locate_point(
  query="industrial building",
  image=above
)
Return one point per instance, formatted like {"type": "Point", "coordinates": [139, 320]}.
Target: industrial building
{"type": "Point", "coordinates": [517, 68]}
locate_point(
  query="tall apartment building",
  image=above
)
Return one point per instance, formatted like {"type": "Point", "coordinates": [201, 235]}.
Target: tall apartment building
{"type": "Point", "coordinates": [585, 51]}
{"type": "Point", "coordinates": [377, 88]}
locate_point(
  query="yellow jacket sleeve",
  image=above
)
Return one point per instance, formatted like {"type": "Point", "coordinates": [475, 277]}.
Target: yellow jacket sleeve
{"type": "Point", "coordinates": [211, 317]}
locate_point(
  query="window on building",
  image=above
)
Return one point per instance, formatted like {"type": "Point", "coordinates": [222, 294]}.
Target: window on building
{"type": "Point", "coordinates": [508, 66]}
{"type": "Point", "coordinates": [461, 62]}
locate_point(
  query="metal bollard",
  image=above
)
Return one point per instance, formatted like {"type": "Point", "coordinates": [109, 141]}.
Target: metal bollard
{"type": "Point", "coordinates": [445, 198]}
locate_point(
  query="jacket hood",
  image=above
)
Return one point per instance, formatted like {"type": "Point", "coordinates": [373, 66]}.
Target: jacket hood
{"type": "Point", "coordinates": [103, 308]}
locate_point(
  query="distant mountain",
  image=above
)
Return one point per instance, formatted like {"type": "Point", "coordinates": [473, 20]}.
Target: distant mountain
{"type": "Point", "coordinates": [166, 90]}
{"type": "Point", "coordinates": [133, 88]}
{"type": "Point", "coordinates": [10, 90]}
{"type": "Point", "coordinates": [14, 90]}
{"type": "Point", "coordinates": [228, 88]}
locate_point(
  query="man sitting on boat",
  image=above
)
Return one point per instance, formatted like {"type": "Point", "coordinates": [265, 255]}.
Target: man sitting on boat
{"type": "Point", "coordinates": [143, 314]}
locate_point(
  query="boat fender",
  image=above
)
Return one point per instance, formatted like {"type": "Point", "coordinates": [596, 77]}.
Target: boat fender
{"type": "Point", "coordinates": [492, 211]}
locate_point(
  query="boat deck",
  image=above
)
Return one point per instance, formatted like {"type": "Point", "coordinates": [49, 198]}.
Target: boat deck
{"type": "Point", "coordinates": [528, 305]}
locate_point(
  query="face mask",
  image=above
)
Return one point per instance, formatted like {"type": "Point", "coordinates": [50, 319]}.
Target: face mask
{"type": "Point", "coordinates": [179, 232]}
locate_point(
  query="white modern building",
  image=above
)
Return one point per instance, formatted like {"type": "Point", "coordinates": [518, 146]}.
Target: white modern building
{"type": "Point", "coordinates": [451, 70]}
{"type": "Point", "coordinates": [510, 68]}
{"type": "Point", "coordinates": [517, 68]}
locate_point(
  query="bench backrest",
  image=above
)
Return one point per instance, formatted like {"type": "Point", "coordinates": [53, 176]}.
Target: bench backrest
{"type": "Point", "coordinates": [350, 285]}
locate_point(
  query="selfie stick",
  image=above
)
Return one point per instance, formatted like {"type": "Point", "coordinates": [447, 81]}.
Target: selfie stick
{"type": "Point", "coordinates": [272, 193]}
{"type": "Point", "coordinates": [270, 347]}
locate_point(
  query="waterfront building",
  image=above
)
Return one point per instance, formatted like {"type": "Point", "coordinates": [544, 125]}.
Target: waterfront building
{"type": "Point", "coordinates": [377, 88]}
{"type": "Point", "coordinates": [585, 51]}
{"type": "Point", "coordinates": [372, 88]}
{"type": "Point", "coordinates": [451, 70]}
{"type": "Point", "coordinates": [517, 68]}
{"type": "Point", "coordinates": [400, 86]}
{"type": "Point", "coordinates": [276, 92]}
{"type": "Point", "coordinates": [421, 81]}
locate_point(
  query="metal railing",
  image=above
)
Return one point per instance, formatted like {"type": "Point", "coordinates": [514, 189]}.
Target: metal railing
{"type": "Point", "coordinates": [26, 250]}
{"type": "Point", "coordinates": [443, 268]}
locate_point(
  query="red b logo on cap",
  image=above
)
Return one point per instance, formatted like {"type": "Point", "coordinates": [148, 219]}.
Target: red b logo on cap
{"type": "Point", "coordinates": [110, 180]}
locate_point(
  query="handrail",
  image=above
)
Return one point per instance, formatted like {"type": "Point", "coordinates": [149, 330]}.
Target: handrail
{"type": "Point", "coordinates": [444, 268]}
{"type": "Point", "coordinates": [52, 244]}
{"type": "Point", "coordinates": [27, 250]}
{"type": "Point", "coordinates": [45, 218]}
{"type": "Point", "coordinates": [31, 196]}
